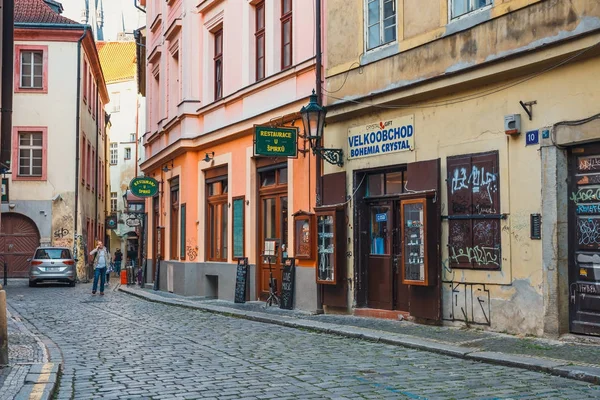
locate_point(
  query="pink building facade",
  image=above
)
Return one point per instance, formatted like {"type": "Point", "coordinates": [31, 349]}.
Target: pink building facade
{"type": "Point", "coordinates": [216, 69]}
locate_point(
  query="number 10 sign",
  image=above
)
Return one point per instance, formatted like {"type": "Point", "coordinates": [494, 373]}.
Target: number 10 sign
{"type": "Point", "coordinates": [532, 137]}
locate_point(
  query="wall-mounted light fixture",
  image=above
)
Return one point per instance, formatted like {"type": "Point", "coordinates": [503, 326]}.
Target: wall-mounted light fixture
{"type": "Point", "coordinates": [313, 118]}
{"type": "Point", "coordinates": [166, 167]}
{"type": "Point", "coordinates": [209, 156]}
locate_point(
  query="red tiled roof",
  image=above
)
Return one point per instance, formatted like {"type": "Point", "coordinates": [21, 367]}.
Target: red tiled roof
{"type": "Point", "coordinates": [38, 12]}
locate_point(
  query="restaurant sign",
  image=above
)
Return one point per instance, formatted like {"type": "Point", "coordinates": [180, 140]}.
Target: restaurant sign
{"type": "Point", "coordinates": [275, 142]}
{"type": "Point", "coordinates": [143, 186]}
{"type": "Point", "coordinates": [383, 137]}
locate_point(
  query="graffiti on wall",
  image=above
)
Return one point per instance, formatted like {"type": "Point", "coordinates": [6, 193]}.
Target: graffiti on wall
{"type": "Point", "coordinates": [478, 180]}
{"type": "Point", "coordinates": [467, 302]}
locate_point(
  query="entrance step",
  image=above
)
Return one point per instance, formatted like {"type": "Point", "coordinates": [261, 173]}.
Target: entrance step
{"type": "Point", "coordinates": [383, 314]}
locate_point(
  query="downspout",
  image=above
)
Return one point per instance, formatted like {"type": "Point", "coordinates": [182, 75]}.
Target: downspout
{"type": "Point", "coordinates": [138, 7]}
{"type": "Point", "coordinates": [77, 130]}
{"type": "Point", "coordinates": [319, 161]}
{"type": "Point", "coordinates": [7, 85]}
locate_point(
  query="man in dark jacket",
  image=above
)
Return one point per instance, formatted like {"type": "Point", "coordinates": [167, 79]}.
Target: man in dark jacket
{"type": "Point", "coordinates": [118, 259]}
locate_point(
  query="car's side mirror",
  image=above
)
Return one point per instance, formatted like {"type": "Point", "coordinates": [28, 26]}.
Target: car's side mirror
{"type": "Point", "coordinates": [29, 260]}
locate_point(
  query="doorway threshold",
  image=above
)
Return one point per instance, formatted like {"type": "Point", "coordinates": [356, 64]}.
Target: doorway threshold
{"type": "Point", "coordinates": [382, 314]}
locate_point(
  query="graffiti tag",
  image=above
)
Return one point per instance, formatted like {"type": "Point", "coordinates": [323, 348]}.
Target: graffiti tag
{"type": "Point", "coordinates": [191, 253]}
{"type": "Point", "coordinates": [61, 233]}
{"type": "Point", "coordinates": [478, 180]}
{"type": "Point", "coordinates": [589, 231]}
{"type": "Point", "coordinates": [481, 255]}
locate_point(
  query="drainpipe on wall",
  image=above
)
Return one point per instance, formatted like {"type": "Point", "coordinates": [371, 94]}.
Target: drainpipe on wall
{"type": "Point", "coordinates": [7, 84]}
{"type": "Point", "coordinates": [319, 162]}
{"type": "Point", "coordinates": [77, 130]}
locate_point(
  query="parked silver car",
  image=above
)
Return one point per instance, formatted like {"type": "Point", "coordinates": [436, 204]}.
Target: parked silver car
{"type": "Point", "coordinates": [52, 264]}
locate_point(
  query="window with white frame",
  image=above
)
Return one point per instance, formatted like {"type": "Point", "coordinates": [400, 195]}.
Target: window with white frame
{"type": "Point", "coordinates": [114, 154]}
{"type": "Point", "coordinates": [132, 137]}
{"type": "Point", "coordinates": [32, 69]}
{"type": "Point", "coordinates": [128, 153]}
{"type": "Point", "coordinates": [113, 202]}
{"type": "Point", "coordinates": [30, 153]}
{"type": "Point", "coordinates": [380, 22]}
{"type": "Point", "coordinates": [462, 7]}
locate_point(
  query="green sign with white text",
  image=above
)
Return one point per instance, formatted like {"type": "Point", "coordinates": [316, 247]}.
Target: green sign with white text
{"type": "Point", "coordinates": [275, 142]}
{"type": "Point", "coordinates": [143, 186]}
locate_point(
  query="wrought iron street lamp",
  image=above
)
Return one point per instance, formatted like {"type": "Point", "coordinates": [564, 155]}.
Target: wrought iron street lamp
{"type": "Point", "coordinates": [313, 118]}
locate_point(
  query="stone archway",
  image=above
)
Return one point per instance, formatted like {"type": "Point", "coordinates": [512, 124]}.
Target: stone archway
{"type": "Point", "coordinates": [19, 237]}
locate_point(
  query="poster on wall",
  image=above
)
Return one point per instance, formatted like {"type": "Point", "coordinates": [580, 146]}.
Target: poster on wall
{"type": "Point", "coordinates": [381, 137]}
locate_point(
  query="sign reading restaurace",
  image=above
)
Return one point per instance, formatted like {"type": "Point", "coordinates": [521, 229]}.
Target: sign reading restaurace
{"type": "Point", "coordinates": [275, 142]}
{"type": "Point", "coordinates": [382, 137]}
{"type": "Point", "coordinates": [143, 186]}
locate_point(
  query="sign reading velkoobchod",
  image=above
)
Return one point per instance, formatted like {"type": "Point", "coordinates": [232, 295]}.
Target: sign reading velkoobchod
{"type": "Point", "coordinates": [275, 142]}
{"type": "Point", "coordinates": [143, 186]}
{"type": "Point", "coordinates": [381, 137]}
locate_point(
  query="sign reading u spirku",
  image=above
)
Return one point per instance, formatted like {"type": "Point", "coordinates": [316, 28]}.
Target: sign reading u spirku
{"type": "Point", "coordinates": [381, 137]}
{"type": "Point", "coordinates": [143, 186]}
{"type": "Point", "coordinates": [275, 142]}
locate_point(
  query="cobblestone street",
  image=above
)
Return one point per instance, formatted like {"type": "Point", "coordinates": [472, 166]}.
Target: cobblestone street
{"type": "Point", "coordinates": [122, 347]}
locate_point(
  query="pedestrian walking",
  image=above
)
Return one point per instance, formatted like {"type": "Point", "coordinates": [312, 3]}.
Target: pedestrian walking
{"type": "Point", "coordinates": [117, 261]}
{"type": "Point", "coordinates": [102, 260]}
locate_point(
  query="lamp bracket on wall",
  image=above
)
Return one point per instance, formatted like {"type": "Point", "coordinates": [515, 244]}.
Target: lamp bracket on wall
{"type": "Point", "coordinates": [209, 156]}
{"type": "Point", "coordinates": [332, 156]}
{"type": "Point", "coordinates": [166, 167]}
{"type": "Point", "coordinates": [528, 107]}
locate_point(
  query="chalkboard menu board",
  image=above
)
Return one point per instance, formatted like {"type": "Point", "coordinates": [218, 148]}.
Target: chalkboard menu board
{"type": "Point", "coordinates": [287, 284]}
{"type": "Point", "coordinates": [238, 227]}
{"type": "Point", "coordinates": [414, 242]}
{"type": "Point", "coordinates": [241, 279]}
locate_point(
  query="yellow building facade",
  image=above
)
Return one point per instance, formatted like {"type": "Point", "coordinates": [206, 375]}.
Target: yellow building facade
{"type": "Point", "coordinates": [469, 134]}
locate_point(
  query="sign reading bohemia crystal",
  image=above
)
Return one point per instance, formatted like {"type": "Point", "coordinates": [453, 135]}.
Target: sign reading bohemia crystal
{"type": "Point", "coordinates": [275, 142]}
{"type": "Point", "coordinates": [382, 137]}
{"type": "Point", "coordinates": [143, 186]}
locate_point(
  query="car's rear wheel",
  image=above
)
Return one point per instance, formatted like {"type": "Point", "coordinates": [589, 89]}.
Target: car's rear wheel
{"type": "Point", "coordinates": [32, 284]}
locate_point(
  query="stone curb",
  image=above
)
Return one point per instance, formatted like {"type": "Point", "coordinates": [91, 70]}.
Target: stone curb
{"type": "Point", "coordinates": [561, 368]}
{"type": "Point", "coordinates": [42, 380]}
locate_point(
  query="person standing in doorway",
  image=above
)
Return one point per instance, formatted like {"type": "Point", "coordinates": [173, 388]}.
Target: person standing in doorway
{"type": "Point", "coordinates": [101, 262]}
{"type": "Point", "coordinates": [118, 259]}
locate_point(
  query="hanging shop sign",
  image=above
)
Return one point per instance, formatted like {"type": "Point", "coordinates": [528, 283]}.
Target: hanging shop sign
{"type": "Point", "coordinates": [275, 142]}
{"type": "Point", "coordinates": [111, 222]}
{"type": "Point", "coordinates": [383, 137]}
{"type": "Point", "coordinates": [143, 186]}
{"type": "Point", "coordinates": [133, 222]}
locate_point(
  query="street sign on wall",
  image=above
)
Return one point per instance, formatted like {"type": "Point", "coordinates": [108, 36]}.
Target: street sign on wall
{"type": "Point", "coordinates": [143, 186]}
{"type": "Point", "coordinates": [275, 142]}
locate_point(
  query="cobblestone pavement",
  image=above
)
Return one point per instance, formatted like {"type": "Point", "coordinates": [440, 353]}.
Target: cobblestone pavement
{"type": "Point", "coordinates": [122, 347]}
{"type": "Point", "coordinates": [24, 350]}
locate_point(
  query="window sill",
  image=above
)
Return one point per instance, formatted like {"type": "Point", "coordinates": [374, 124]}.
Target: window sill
{"type": "Point", "coordinates": [378, 53]}
{"type": "Point", "coordinates": [29, 178]}
{"type": "Point", "coordinates": [31, 90]}
{"type": "Point", "coordinates": [469, 20]}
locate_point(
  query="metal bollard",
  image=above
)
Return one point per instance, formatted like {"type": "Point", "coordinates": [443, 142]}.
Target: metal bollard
{"type": "Point", "coordinates": [3, 329]}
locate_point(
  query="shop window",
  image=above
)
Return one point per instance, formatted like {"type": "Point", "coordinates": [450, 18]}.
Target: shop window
{"type": "Point", "coordinates": [217, 213]}
{"type": "Point", "coordinates": [380, 22]}
{"type": "Point", "coordinates": [382, 183]}
{"type": "Point", "coordinates": [174, 229]}
{"type": "Point", "coordinates": [461, 7]}
{"type": "Point", "coordinates": [474, 211]}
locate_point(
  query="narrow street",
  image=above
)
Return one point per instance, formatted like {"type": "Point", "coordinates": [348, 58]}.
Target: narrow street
{"type": "Point", "coordinates": [122, 347]}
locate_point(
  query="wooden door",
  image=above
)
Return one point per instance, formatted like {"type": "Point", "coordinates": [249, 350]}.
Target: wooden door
{"type": "Point", "coordinates": [380, 274]}
{"type": "Point", "coordinates": [584, 239]}
{"type": "Point", "coordinates": [273, 225]}
{"type": "Point", "coordinates": [18, 240]}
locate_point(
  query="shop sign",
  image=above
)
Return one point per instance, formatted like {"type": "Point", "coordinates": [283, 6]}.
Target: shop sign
{"type": "Point", "coordinates": [143, 186]}
{"type": "Point", "coordinates": [381, 217]}
{"type": "Point", "coordinates": [275, 142]}
{"type": "Point", "coordinates": [383, 137]}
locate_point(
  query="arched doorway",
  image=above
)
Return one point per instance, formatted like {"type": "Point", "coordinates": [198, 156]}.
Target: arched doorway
{"type": "Point", "coordinates": [19, 237]}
